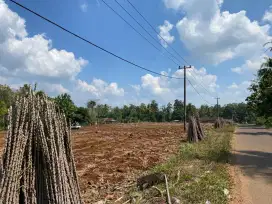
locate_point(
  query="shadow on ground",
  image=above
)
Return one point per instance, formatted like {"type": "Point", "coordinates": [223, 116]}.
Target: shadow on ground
{"type": "Point", "coordinates": [254, 163]}
{"type": "Point", "coordinates": [260, 133]}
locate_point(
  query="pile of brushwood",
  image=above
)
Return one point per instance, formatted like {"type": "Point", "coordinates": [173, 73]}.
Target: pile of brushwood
{"type": "Point", "coordinates": [219, 123]}
{"type": "Point", "coordinates": [195, 131]}
{"type": "Point", "coordinates": [37, 163]}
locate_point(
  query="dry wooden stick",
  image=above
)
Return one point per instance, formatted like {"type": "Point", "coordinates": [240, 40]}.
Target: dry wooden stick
{"type": "Point", "coordinates": [38, 164]}
{"type": "Point", "coordinates": [167, 190]}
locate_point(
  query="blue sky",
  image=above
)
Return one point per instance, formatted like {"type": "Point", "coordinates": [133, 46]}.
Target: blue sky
{"type": "Point", "coordinates": [221, 39]}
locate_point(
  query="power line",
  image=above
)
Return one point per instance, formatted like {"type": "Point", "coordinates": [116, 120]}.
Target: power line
{"type": "Point", "coordinates": [146, 31]}
{"type": "Point", "coordinates": [199, 93]}
{"type": "Point", "coordinates": [137, 31]}
{"type": "Point", "coordinates": [154, 29]}
{"type": "Point", "coordinates": [201, 83]}
{"type": "Point", "coordinates": [91, 43]}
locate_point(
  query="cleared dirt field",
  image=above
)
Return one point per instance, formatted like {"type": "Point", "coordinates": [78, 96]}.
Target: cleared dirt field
{"type": "Point", "coordinates": [110, 157]}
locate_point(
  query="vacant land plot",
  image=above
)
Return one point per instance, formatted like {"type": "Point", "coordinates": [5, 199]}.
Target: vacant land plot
{"type": "Point", "coordinates": [109, 157]}
{"type": "Point", "coordinates": [198, 173]}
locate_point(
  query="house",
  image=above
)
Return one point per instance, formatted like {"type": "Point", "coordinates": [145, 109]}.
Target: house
{"type": "Point", "coordinates": [108, 120]}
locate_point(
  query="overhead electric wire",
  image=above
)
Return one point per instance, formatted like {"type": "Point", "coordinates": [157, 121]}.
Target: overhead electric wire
{"type": "Point", "coordinates": [199, 93]}
{"type": "Point", "coordinates": [201, 83]}
{"type": "Point", "coordinates": [91, 43]}
{"type": "Point", "coordinates": [137, 31]}
{"type": "Point", "coordinates": [97, 46]}
{"type": "Point", "coordinates": [154, 29]}
{"type": "Point", "coordinates": [146, 31]}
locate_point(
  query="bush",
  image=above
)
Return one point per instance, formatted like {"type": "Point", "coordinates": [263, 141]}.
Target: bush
{"type": "Point", "coordinates": [268, 122]}
{"type": "Point", "coordinates": [260, 120]}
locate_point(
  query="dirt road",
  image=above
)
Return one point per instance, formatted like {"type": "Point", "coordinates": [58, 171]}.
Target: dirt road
{"type": "Point", "coordinates": [253, 165]}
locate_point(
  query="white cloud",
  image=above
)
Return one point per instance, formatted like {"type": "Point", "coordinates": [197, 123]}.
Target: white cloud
{"type": "Point", "coordinates": [3, 80]}
{"type": "Point", "coordinates": [235, 93]}
{"type": "Point", "coordinates": [165, 34]}
{"type": "Point", "coordinates": [12, 25]}
{"type": "Point", "coordinates": [233, 86]}
{"type": "Point", "coordinates": [27, 57]}
{"type": "Point", "coordinates": [166, 89]}
{"type": "Point", "coordinates": [252, 65]}
{"type": "Point", "coordinates": [156, 85]}
{"type": "Point", "coordinates": [137, 88]}
{"type": "Point", "coordinates": [84, 7]}
{"type": "Point", "coordinates": [173, 4]}
{"type": "Point", "coordinates": [237, 70]}
{"type": "Point", "coordinates": [55, 88]}
{"type": "Point", "coordinates": [99, 88]}
{"type": "Point", "coordinates": [268, 15]}
{"type": "Point", "coordinates": [215, 36]}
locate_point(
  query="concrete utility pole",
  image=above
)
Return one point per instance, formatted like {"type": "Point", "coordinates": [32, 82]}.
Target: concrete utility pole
{"type": "Point", "coordinates": [185, 67]}
{"type": "Point", "coordinates": [217, 107]}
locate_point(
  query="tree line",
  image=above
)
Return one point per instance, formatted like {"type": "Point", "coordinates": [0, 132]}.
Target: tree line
{"type": "Point", "coordinates": [94, 112]}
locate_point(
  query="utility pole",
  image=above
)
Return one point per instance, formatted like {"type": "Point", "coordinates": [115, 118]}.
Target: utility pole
{"type": "Point", "coordinates": [217, 107]}
{"type": "Point", "coordinates": [184, 68]}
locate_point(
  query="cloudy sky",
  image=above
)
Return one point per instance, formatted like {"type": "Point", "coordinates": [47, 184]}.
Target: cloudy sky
{"type": "Point", "coordinates": [222, 39]}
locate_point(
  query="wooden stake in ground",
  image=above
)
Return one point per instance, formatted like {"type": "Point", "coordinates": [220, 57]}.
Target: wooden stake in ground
{"type": "Point", "coordinates": [38, 164]}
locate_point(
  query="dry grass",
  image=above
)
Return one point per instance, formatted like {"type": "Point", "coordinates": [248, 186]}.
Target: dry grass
{"type": "Point", "coordinates": [198, 173]}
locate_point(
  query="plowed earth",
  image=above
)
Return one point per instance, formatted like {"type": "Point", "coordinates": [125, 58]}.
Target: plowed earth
{"type": "Point", "coordinates": [110, 157]}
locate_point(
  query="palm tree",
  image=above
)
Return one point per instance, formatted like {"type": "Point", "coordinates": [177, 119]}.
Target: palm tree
{"type": "Point", "coordinates": [266, 68]}
{"type": "Point", "coordinates": [92, 112]}
{"type": "Point", "coordinates": [270, 47]}
{"type": "Point", "coordinates": [91, 104]}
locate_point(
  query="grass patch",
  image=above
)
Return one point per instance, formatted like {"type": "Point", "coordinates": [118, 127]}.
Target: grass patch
{"type": "Point", "coordinates": [198, 173]}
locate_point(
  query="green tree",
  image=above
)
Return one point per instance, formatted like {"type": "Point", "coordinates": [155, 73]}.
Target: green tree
{"type": "Point", "coordinates": [92, 111]}
{"type": "Point", "coordinates": [178, 112]}
{"type": "Point", "coordinates": [190, 110]}
{"type": "Point", "coordinates": [24, 90]}
{"type": "Point", "coordinates": [65, 102]}
{"type": "Point", "coordinates": [169, 111]}
{"type": "Point", "coordinates": [161, 116]}
{"type": "Point", "coordinates": [153, 111]}
{"type": "Point", "coordinates": [91, 104]}
{"type": "Point", "coordinates": [117, 114]}
{"type": "Point", "coordinates": [82, 116]}
{"type": "Point", "coordinates": [260, 99]}
{"type": "Point", "coordinates": [102, 111]}
{"type": "Point", "coordinates": [3, 113]}
{"type": "Point", "coordinates": [6, 95]}
{"type": "Point", "coordinates": [204, 111]}
{"type": "Point", "coordinates": [143, 112]}
{"type": "Point", "coordinates": [133, 115]}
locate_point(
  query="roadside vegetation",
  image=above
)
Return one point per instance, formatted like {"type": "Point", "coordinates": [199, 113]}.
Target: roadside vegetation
{"type": "Point", "coordinates": [95, 112]}
{"type": "Point", "coordinates": [260, 99]}
{"type": "Point", "coordinates": [197, 174]}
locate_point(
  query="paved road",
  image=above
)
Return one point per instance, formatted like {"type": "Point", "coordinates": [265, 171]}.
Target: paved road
{"type": "Point", "coordinates": [253, 157]}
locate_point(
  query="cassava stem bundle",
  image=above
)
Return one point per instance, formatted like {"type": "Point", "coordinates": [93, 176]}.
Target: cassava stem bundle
{"type": "Point", "coordinates": [37, 163]}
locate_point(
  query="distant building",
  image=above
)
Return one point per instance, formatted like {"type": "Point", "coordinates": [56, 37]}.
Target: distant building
{"type": "Point", "coordinates": [108, 120]}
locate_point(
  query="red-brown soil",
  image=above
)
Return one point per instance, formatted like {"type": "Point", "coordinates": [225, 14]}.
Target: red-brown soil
{"type": "Point", "coordinates": [110, 157]}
